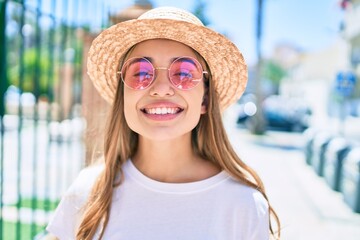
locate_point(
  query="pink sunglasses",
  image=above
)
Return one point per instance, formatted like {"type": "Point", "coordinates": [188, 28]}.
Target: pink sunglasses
{"type": "Point", "coordinates": [184, 73]}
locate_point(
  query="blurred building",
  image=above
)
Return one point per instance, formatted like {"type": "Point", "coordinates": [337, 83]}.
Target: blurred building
{"type": "Point", "coordinates": [351, 33]}
{"type": "Point", "coordinates": [132, 12]}
{"type": "Point", "coordinates": [312, 75]}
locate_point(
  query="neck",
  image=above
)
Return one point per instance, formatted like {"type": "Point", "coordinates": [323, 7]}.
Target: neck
{"type": "Point", "coordinates": [172, 160]}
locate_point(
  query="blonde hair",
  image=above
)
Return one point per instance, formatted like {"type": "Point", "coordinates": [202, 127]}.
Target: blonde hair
{"type": "Point", "coordinates": [209, 141]}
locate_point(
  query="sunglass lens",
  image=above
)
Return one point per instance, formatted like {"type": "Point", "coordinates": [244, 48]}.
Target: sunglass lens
{"type": "Point", "coordinates": [185, 73]}
{"type": "Point", "coordinates": [137, 73]}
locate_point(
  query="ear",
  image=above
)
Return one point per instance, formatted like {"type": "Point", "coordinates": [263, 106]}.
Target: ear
{"type": "Point", "coordinates": [204, 104]}
{"type": "Point", "coordinates": [203, 109]}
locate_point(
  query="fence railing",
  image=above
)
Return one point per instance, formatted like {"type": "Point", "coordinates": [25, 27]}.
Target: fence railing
{"type": "Point", "coordinates": [41, 71]}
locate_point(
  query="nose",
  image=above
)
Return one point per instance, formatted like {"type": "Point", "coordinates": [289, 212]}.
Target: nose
{"type": "Point", "coordinates": [161, 86]}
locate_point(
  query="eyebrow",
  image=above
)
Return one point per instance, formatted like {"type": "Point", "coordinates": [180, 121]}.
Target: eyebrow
{"type": "Point", "coordinates": [150, 59]}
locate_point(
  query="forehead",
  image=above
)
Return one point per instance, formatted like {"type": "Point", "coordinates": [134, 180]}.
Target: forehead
{"type": "Point", "coordinates": [162, 48]}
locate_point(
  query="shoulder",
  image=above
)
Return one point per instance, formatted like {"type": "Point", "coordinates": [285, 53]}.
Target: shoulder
{"type": "Point", "coordinates": [84, 181]}
{"type": "Point", "coordinates": [68, 214]}
{"type": "Point", "coordinates": [245, 198]}
{"type": "Point", "coordinates": [243, 208]}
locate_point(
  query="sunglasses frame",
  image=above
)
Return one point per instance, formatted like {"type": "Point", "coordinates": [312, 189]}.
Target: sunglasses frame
{"type": "Point", "coordinates": [164, 68]}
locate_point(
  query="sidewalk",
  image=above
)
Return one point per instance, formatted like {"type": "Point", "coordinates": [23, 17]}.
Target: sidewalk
{"type": "Point", "coordinates": [308, 208]}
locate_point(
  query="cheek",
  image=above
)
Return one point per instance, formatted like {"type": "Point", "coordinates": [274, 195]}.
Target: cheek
{"type": "Point", "coordinates": [195, 107]}
{"type": "Point", "coordinates": [201, 101]}
{"type": "Point", "coordinates": [129, 107]}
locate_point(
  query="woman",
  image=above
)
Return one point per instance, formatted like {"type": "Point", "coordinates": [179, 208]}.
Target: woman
{"type": "Point", "coordinates": [169, 171]}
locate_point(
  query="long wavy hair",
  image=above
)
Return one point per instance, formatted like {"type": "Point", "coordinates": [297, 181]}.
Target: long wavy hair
{"type": "Point", "coordinates": [209, 141]}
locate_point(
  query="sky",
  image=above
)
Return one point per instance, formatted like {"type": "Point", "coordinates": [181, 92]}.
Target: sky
{"type": "Point", "coordinates": [308, 25]}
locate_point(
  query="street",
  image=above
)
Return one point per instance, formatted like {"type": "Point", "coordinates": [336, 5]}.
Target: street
{"type": "Point", "coordinates": [308, 208]}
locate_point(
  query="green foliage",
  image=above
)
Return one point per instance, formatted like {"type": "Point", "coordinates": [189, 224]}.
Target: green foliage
{"type": "Point", "coordinates": [43, 61]}
{"type": "Point", "coordinates": [31, 63]}
{"type": "Point", "coordinates": [9, 230]}
{"type": "Point", "coordinates": [41, 204]}
{"type": "Point", "coordinates": [273, 71]}
{"type": "Point", "coordinates": [26, 229]}
{"type": "Point", "coordinates": [199, 12]}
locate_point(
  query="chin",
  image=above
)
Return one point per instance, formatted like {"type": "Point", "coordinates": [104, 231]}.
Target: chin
{"type": "Point", "coordinates": [165, 135]}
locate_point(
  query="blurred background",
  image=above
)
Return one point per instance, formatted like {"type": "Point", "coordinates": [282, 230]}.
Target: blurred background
{"type": "Point", "coordinates": [297, 124]}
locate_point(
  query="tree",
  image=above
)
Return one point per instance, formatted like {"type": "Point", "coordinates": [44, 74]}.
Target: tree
{"type": "Point", "coordinates": [199, 12]}
{"type": "Point", "coordinates": [3, 63]}
{"type": "Point", "coordinates": [258, 124]}
{"type": "Point", "coordinates": [30, 65]}
{"type": "Point", "coordinates": [273, 72]}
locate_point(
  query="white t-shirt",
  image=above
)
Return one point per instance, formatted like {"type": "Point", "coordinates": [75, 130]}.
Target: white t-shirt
{"type": "Point", "coordinates": [144, 209]}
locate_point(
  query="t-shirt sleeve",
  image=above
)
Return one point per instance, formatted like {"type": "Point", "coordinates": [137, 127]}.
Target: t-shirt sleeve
{"type": "Point", "coordinates": [68, 214]}
{"type": "Point", "coordinates": [260, 219]}
{"type": "Point", "coordinates": [251, 213]}
{"type": "Point", "coordinates": [66, 218]}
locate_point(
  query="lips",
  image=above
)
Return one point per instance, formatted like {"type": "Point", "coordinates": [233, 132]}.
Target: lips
{"type": "Point", "coordinates": [162, 110]}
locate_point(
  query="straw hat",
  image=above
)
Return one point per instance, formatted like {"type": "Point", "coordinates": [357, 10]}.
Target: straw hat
{"type": "Point", "coordinates": [226, 63]}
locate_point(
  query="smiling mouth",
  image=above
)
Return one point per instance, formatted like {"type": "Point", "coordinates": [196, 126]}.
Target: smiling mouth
{"type": "Point", "coordinates": [162, 110]}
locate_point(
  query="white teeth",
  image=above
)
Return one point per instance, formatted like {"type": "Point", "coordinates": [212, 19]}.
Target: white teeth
{"type": "Point", "coordinates": [163, 110]}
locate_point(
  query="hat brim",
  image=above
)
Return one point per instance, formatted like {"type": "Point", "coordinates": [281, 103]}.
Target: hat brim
{"type": "Point", "coordinates": [226, 63]}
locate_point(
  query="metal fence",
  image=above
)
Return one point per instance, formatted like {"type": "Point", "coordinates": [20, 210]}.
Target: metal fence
{"type": "Point", "coordinates": [41, 69]}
